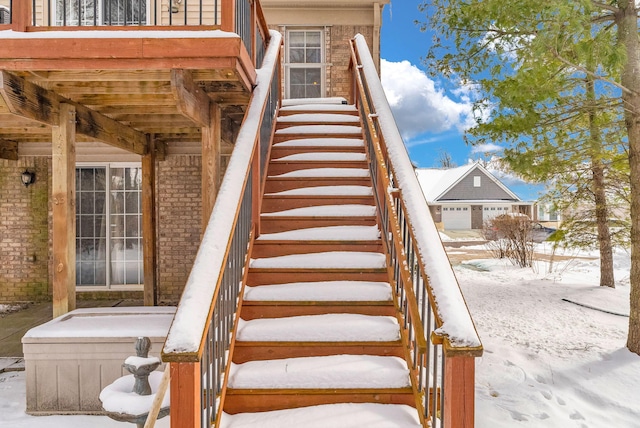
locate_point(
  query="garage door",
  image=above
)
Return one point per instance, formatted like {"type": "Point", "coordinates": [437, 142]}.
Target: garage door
{"type": "Point", "coordinates": [456, 217]}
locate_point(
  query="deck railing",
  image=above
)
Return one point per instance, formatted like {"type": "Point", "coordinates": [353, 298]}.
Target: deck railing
{"type": "Point", "coordinates": [442, 340]}
{"type": "Point", "coordinates": [199, 339]}
{"type": "Point", "coordinates": [243, 17]}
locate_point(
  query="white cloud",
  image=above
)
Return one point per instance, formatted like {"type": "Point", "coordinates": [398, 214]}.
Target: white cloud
{"type": "Point", "coordinates": [418, 105]}
{"type": "Point", "coordinates": [486, 148]}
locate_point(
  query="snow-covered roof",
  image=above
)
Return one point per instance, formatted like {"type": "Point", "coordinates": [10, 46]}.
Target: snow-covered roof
{"type": "Point", "coordinates": [436, 182]}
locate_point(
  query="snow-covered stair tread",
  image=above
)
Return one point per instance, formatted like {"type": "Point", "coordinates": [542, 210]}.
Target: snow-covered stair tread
{"type": "Point", "coordinates": [347, 210]}
{"type": "Point", "coordinates": [327, 191]}
{"type": "Point", "coordinates": [328, 233]}
{"type": "Point", "coordinates": [314, 101]}
{"type": "Point", "coordinates": [328, 372]}
{"type": "Point", "coordinates": [324, 260]}
{"type": "Point", "coordinates": [320, 328]}
{"type": "Point", "coordinates": [343, 415]}
{"type": "Point", "coordinates": [324, 156]}
{"type": "Point", "coordinates": [320, 129]}
{"type": "Point", "coordinates": [325, 173]}
{"type": "Point", "coordinates": [319, 117]}
{"type": "Point", "coordinates": [322, 142]}
{"type": "Point", "coordinates": [321, 291]}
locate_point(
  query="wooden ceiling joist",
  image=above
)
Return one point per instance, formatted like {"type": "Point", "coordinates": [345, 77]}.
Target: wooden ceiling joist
{"type": "Point", "coordinates": [8, 150]}
{"type": "Point", "coordinates": [31, 101]}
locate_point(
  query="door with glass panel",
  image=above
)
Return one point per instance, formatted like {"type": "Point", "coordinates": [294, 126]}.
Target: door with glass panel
{"type": "Point", "coordinates": [304, 64]}
{"type": "Point", "coordinates": [100, 12]}
{"type": "Point", "coordinates": [108, 226]}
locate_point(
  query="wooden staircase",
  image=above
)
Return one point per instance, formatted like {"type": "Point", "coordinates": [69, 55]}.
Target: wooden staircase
{"type": "Point", "coordinates": [318, 324]}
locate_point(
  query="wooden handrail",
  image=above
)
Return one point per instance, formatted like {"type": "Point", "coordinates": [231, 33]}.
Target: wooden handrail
{"type": "Point", "coordinates": [199, 337]}
{"type": "Point", "coordinates": [442, 358]}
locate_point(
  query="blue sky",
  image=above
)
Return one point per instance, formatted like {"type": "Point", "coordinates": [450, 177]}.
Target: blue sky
{"type": "Point", "coordinates": [431, 114]}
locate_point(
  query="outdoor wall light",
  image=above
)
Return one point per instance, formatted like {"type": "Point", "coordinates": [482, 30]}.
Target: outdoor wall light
{"type": "Point", "coordinates": [28, 177]}
{"type": "Point", "coordinates": [175, 5]}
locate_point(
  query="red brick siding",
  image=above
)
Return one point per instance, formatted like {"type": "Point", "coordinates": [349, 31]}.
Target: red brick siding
{"type": "Point", "coordinates": [25, 231]}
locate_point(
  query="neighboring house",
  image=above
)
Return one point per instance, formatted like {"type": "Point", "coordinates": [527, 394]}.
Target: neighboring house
{"type": "Point", "coordinates": [157, 109]}
{"type": "Point", "coordinates": [467, 196]}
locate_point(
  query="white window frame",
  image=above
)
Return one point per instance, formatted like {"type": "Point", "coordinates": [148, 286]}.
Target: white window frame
{"type": "Point", "coordinates": [477, 181]}
{"type": "Point", "coordinates": [108, 234]}
{"type": "Point", "coordinates": [321, 65]}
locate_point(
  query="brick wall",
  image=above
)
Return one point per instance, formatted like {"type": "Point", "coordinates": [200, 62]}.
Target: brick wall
{"type": "Point", "coordinates": [179, 223]}
{"type": "Point", "coordinates": [25, 231]}
{"type": "Point", "coordinates": [339, 55]}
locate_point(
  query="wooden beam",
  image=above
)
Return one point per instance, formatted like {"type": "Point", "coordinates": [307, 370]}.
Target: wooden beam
{"type": "Point", "coordinates": [29, 100]}
{"type": "Point", "coordinates": [149, 225]}
{"type": "Point", "coordinates": [192, 101]}
{"type": "Point", "coordinates": [210, 163]}
{"type": "Point", "coordinates": [8, 149]}
{"type": "Point", "coordinates": [64, 213]}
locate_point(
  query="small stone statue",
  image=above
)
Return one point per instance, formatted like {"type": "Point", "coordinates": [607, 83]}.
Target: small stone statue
{"type": "Point", "coordinates": [141, 365]}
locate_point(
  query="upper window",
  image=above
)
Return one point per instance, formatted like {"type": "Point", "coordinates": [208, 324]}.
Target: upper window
{"type": "Point", "coordinates": [304, 64]}
{"type": "Point", "coordinates": [476, 181]}
{"type": "Point", "coordinates": [100, 12]}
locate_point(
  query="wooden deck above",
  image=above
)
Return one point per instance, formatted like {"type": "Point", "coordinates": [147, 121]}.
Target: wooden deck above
{"type": "Point", "coordinates": [125, 84]}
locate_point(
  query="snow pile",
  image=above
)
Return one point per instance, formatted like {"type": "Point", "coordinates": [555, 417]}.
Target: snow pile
{"type": "Point", "coordinates": [326, 260]}
{"type": "Point", "coordinates": [120, 398]}
{"type": "Point", "coordinates": [320, 328]}
{"type": "Point", "coordinates": [347, 210]}
{"type": "Point", "coordinates": [325, 173]}
{"type": "Point", "coordinates": [324, 291]}
{"type": "Point", "coordinates": [350, 415]}
{"type": "Point", "coordinates": [331, 372]}
{"type": "Point", "coordinates": [321, 142]}
{"type": "Point", "coordinates": [326, 191]}
{"type": "Point", "coordinates": [320, 129]}
{"type": "Point", "coordinates": [329, 233]}
{"type": "Point", "coordinates": [322, 156]}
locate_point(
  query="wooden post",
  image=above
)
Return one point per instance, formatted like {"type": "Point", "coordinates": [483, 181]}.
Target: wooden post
{"type": "Point", "coordinates": [149, 224]}
{"type": "Point", "coordinates": [459, 392]}
{"type": "Point", "coordinates": [21, 15]}
{"type": "Point", "coordinates": [185, 395]}
{"type": "Point", "coordinates": [210, 162]}
{"type": "Point", "coordinates": [64, 212]}
{"type": "Point", "coordinates": [228, 17]}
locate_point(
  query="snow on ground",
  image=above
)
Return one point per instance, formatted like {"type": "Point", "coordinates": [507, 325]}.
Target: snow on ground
{"type": "Point", "coordinates": [548, 363]}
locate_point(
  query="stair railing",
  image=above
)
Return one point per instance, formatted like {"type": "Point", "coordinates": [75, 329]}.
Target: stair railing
{"type": "Point", "coordinates": [438, 330]}
{"type": "Point", "coordinates": [199, 339]}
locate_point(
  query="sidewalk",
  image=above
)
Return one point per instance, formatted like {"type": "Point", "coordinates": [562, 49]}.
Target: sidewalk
{"type": "Point", "coordinates": [14, 325]}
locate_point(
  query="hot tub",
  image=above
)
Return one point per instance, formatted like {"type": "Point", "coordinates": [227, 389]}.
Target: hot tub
{"type": "Point", "coordinates": [70, 359]}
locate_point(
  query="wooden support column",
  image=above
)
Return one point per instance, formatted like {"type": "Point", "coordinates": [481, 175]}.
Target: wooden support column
{"type": "Point", "coordinates": [149, 225]}
{"type": "Point", "coordinates": [64, 211]}
{"type": "Point", "coordinates": [210, 162]}
{"type": "Point", "coordinates": [459, 392]}
{"type": "Point", "coordinates": [228, 12]}
{"type": "Point", "coordinates": [185, 395]}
